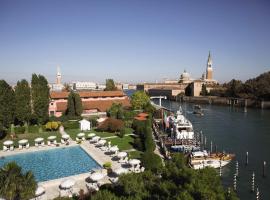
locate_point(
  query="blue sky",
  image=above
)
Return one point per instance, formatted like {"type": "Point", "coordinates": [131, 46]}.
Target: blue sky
{"type": "Point", "coordinates": [133, 40]}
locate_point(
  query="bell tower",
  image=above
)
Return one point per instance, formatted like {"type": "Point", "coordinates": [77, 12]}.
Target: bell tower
{"type": "Point", "coordinates": [58, 76]}
{"type": "Point", "coordinates": [209, 69]}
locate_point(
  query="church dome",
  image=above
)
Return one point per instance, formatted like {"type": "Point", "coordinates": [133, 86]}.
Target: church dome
{"type": "Point", "coordinates": [185, 76]}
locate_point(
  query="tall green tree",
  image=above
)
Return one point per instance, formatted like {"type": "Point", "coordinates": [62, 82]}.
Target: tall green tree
{"type": "Point", "coordinates": [15, 184]}
{"type": "Point", "coordinates": [7, 105]}
{"type": "Point", "coordinates": [139, 100]}
{"type": "Point", "coordinates": [74, 105]}
{"type": "Point", "coordinates": [116, 111]}
{"type": "Point", "coordinates": [40, 97]}
{"type": "Point", "coordinates": [204, 91]}
{"type": "Point", "coordinates": [110, 86]}
{"type": "Point", "coordinates": [23, 101]}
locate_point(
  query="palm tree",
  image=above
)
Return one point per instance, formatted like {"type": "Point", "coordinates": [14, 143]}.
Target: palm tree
{"type": "Point", "coordinates": [15, 184]}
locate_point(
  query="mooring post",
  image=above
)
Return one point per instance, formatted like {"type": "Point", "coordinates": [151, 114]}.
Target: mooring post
{"type": "Point", "coordinates": [236, 169]}
{"type": "Point", "coordinates": [247, 158]}
{"type": "Point", "coordinates": [205, 141]}
{"type": "Point", "coordinates": [211, 146]}
{"type": "Point", "coordinates": [234, 182]}
{"type": "Point", "coordinates": [257, 194]}
{"type": "Point", "coordinates": [220, 169]}
{"type": "Point", "coordinates": [253, 182]}
{"type": "Point", "coordinates": [264, 166]}
{"type": "Point", "coordinates": [215, 148]}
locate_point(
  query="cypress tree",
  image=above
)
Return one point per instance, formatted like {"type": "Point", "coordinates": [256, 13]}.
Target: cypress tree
{"type": "Point", "coordinates": [74, 105]}
{"type": "Point", "coordinates": [40, 97]}
{"type": "Point", "coordinates": [78, 104]}
{"type": "Point", "coordinates": [7, 104]}
{"type": "Point", "coordinates": [23, 101]}
{"type": "Point", "coordinates": [70, 105]}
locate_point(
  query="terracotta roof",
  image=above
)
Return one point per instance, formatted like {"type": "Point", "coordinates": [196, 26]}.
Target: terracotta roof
{"type": "Point", "coordinates": [140, 118]}
{"type": "Point", "coordinates": [64, 95]}
{"type": "Point", "coordinates": [142, 115]}
{"type": "Point", "coordinates": [100, 105]}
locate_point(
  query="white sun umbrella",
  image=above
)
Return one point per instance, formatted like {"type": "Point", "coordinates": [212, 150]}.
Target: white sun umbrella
{"type": "Point", "coordinates": [120, 170]}
{"type": "Point", "coordinates": [65, 136]}
{"type": "Point", "coordinates": [96, 176]}
{"type": "Point", "coordinates": [122, 154]}
{"type": "Point", "coordinates": [90, 135]}
{"type": "Point", "coordinates": [67, 184]}
{"type": "Point", "coordinates": [80, 135]}
{"type": "Point", "coordinates": [39, 191]}
{"type": "Point", "coordinates": [39, 139]}
{"type": "Point", "coordinates": [23, 141]}
{"type": "Point", "coordinates": [96, 138]}
{"type": "Point", "coordinates": [114, 149]}
{"type": "Point", "coordinates": [134, 162]}
{"type": "Point", "coordinates": [52, 137]}
{"type": "Point", "coordinates": [8, 143]}
{"type": "Point", "coordinates": [102, 142]}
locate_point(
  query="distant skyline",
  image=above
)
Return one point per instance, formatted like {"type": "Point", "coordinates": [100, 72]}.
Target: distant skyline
{"type": "Point", "coordinates": [133, 41]}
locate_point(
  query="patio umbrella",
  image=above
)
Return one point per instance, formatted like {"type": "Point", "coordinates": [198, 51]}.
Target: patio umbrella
{"type": "Point", "coordinates": [90, 135]}
{"type": "Point", "coordinates": [39, 139]}
{"type": "Point", "coordinates": [97, 176]}
{"type": "Point", "coordinates": [39, 191]}
{"type": "Point", "coordinates": [52, 137]}
{"type": "Point", "coordinates": [120, 171]}
{"type": "Point", "coordinates": [8, 143]}
{"type": "Point", "coordinates": [80, 135]}
{"type": "Point", "coordinates": [122, 154]}
{"type": "Point", "coordinates": [23, 141]}
{"type": "Point", "coordinates": [134, 162]}
{"type": "Point", "coordinates": [67, 184]}
{"type": "Point", "coordinates": [65, 136]}
{"type": "Point", "coordinates": [114, 149]}
{"type": "Point", "coordinates": [96, 138]}
{"type": "Point", "coordinates": [102, 142]}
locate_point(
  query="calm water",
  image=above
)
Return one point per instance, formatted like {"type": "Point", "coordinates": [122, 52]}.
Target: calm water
{"type": "Point", "coordinates": [53, 164]}
{"type": "Point", "coordinates": [238, 132]}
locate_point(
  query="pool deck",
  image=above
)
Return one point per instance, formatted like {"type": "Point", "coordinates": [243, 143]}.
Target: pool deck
{"type": "Point", "coordinates": [52, 186]}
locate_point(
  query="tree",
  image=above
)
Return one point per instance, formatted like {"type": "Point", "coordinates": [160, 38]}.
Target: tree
{"type": "Point", "coordinates": [40, 98]}
{"type": "Point", "coordinates": [7, 105]}
{"type": "Point", "coordinates": [188, 90]}
{"type": "Point", "coordinates": [111, 125]}
{"type": "Point", "coordinates": [74, 105]}
{"type": "Point", "coordinates": [139, 100]}
{"type": "Point", "coordinates": [116, 111]}
{"type": "Point", "coordinates": [204, 91]}
{"type": "Point", "coordinates": [110, 86]}
{"type": "Point", "coordinates": [15, 184]}
{"type": "Point", "coordinates": [23, 101]}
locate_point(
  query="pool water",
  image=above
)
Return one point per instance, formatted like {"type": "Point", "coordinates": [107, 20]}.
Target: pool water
{"type": "Point", "coordinates": [53, 164]}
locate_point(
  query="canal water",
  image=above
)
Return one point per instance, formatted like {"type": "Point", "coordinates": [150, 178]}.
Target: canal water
{"type": "Point", "coordinates": [235, 131]}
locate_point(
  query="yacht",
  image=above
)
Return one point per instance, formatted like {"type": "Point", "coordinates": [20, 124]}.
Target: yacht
{"type": "Point", "coordinates": [201, 159]}
{"type": "Point", "coordinates": [182, 127]}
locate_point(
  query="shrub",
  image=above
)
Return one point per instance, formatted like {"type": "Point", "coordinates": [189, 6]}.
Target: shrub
{"type": "Point", "coordinates": [33, 129]}
{"type": "Point", "coordinates": [107, 165]}
{"type": "Point", "coordinates": [111, 125]}
{"type": "Point", "coordinates": [71, 125]}
{"type": "Point", "coordinates": [52, 125]}
{"type": "Point", "coordinates": [19, 129]}
{"type": "Point", "coordinates": [149, 143]}
{"type": "Point", "coordinates": [152, 161]}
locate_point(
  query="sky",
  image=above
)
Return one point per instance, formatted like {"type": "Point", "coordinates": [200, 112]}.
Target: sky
{"type": "Point", "coordinates": [133, 40]}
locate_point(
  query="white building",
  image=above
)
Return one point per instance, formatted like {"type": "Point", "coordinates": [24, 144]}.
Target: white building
{"type": "Point", "coordinates": [84, 86]}
{"type": "Point", "coordinates": [85, 125]}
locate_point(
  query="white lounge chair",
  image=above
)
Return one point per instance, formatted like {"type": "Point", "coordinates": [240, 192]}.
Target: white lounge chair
{"type": "Point", "coordinates": [11, 148]}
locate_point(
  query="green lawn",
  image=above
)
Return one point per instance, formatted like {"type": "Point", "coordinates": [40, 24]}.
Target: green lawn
{"type": "Point", "coordinates": [135, 154]}
{"type": "Point", "coordinates": [124, 143]}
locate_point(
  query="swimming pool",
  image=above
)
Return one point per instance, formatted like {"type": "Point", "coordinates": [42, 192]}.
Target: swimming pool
{"type": "Point", "coordinates": [56, 163]}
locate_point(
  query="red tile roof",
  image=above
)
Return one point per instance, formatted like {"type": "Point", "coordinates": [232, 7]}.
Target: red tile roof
{"type": "Point", "coordinates": [140, 118]}
{"type": "Point", "coordinates": [142, 115]}
{"type": "Point", "coordinates": [64, 95]}
{"type": "Point", "coordinates": [100, 105]}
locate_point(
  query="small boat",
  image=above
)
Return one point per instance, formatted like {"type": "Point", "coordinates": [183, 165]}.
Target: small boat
{"type": "Point", "coordinates": [185, 148]}
{"type": "Point", "coordinates": [201, 159]}
{"type": "Point", "coordinates": [197, 110]}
